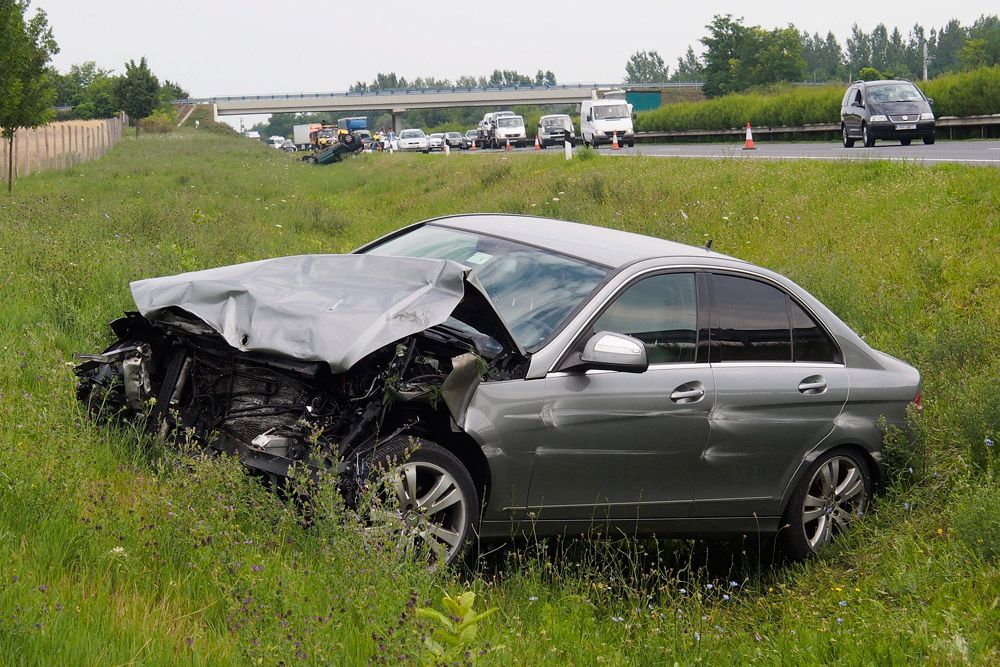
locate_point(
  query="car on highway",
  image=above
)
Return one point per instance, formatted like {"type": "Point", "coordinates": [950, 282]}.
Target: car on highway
{"type": "Point", "coordinates": [455, 140]}
{"type": "Point", "coordinates": [554, 130]}
{"type": "Point", "coordinates": [896, 110]}
{"type": "Point", "coordinates": [515, 375]}
{"type": "Point", "coordinates": [436, 141]}
{"type": "Point", "coordinates": [413, 140]}
{"type": "Point", "coordinates": [288, 146]}
{"type": "Point", "coordinates": [472, 139]}
{"type": "Point", "coordinates": [601, 121]}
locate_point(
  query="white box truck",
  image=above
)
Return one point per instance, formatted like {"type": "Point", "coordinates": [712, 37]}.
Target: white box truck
{"type": "Point", "coordinates": [600, 120]}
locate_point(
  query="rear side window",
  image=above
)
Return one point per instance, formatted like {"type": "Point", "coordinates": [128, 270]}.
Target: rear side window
{"type": "Point", "coordinates": [749, 321]}
{"type": "Point", "coordinates": [754, 321]}
{"type": "Point", "coordinates": [809, 341]}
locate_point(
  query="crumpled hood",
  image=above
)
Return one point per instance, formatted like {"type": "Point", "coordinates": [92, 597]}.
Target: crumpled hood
{"type": "Point", "coordinates": [332, 308]}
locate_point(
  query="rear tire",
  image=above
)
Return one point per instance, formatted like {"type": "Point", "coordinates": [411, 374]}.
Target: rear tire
{"type": "Point", "coordinates": [434, 495]}
{"type": "Point", "coordinates": [833, 493]}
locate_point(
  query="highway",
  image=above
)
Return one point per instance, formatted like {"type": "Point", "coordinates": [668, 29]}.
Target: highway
{"type": "Point", "coordinates": [986, 153]}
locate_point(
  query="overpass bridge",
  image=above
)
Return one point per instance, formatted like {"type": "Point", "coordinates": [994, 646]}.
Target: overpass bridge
{"type": "Point", "coordinates": [398, 101]}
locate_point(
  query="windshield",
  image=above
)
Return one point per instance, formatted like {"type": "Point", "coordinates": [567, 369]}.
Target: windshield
{"type": "Point", "coordinates": [411, 134]}
{"type": "Point", "coordinates": [472, 133]}
{"type": "Point", "coordinates": [556, 121]}
{"type": "Point", "coordinates": [606, 112]}
{"type": "Point", "coordinates": [454, 135]}
{"type": "Point", "coordinates": [510, 121]}
{"type": "Point", "coordinates": [894, 92]}
{"type": "Point", "coordinates": [534, 290]}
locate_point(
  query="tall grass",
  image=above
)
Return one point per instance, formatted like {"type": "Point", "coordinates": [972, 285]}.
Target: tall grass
{"type": "Point", "coordinates": [116, 549]}
{"type": "Point", "coordinates": [961, 94]}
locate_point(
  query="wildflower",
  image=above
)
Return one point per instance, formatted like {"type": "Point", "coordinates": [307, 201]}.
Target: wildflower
{"type": "Point", "coordinates": [718, 628]}
{"type": "Point", "coordinates": [257, 568]}
{"type": "Point", "coordinates": [709, 587]}
{"type": "Point", "coordinates": [118, 551]}
{"type": "Point", "coordinates": [940, 531]}
{"type": "Point", "coordinates": [555, 199]}
{"type": "Point", "coordinates": [757, 637]}
{"type": "Point", "coordinates": [843, 603]}
{"type": "Point", "coordinates": [725, 597]}
{"type": "Point", "coordinates": [989, 442]}
{"type": "Point", "coordinates": [906, 506]}
{"type": "Point", "coordinates": [683, 591]}
{"type": "Point", "coordinates": [910, 470]}
{"type": "Point", "coordinates": [697, 636]}
{"type": "Point", "coordinates": [734, 584]}
{"type": "Point", "coordinates": [840, 620]}
{"type": "Point", "coordinates": [532, 598]}
{"type": "Point", "coordinates": [278, 226]}
{"type": "Point", "coordinates": [617, 619]}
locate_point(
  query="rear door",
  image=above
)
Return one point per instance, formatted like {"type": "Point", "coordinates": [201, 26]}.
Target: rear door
{"type": "Point", "coordinates": [780, 385]}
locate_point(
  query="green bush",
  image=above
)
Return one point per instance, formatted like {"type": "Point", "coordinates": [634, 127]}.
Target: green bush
{"type": "Point", "coordinates": [963, 94]}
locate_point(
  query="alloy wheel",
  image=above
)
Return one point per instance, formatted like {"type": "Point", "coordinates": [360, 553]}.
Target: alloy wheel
{"type": "Point", "coordinates": [836, 495]}
{"type": "Point", "coordinates": [432, 507]}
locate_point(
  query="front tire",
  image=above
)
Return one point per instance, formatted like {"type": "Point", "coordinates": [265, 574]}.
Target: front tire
{"type": "Point", "coordinates": [904, 142]}
{"type": "Point", "coordinates": [866, 136]}
{"type": "Point", "coordinates": [833, 493]}
{"type": "Point", "coordinates": [928, 139]}
{"type": "Point", "coordinates": [433, 493]}
{"type": "Point", "coordinates": [847, 140]}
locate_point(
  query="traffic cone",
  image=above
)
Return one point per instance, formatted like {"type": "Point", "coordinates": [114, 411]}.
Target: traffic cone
{"type": "Point", "coordinates": [508, 145]}
{"type": "Point", "coordinates": [748, 144]}
{"type": "Point", "coordinates": [447, 148]}
{"type": "Point", "coordinates": [473, 146]}
{"type": "Point", "coordinates": [614, 142]}
{"type": "Point", "coordinates": [537, 145]}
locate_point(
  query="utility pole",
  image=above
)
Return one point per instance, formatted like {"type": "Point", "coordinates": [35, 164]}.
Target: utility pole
{"type": "Point", "coordinates": [926, 60]}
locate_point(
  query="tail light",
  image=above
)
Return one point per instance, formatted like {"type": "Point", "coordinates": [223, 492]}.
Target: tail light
{"type": "Point", "coordinates": [918, 403]}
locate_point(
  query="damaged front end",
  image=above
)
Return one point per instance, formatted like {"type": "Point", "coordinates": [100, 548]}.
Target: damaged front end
{"type": "Point", "coordinates": [313, 360]}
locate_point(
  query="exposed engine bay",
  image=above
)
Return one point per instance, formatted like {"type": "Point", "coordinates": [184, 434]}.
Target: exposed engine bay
{"type": "Point", "coordinates": [311, 358]}
{"type": "Point", "coordinates": [272, 411]}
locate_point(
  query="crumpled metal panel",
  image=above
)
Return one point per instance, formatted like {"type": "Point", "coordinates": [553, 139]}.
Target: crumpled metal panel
{"type": "Point", "coordinates": [332, 308]}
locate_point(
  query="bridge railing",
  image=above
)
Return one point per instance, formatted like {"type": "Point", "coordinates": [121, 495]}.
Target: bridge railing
{"type": "Point", "coordinates": [381, 92]}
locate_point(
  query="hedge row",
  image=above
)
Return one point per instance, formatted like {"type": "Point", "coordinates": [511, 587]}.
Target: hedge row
{"type": "Point", "coordinates": [962, 94]}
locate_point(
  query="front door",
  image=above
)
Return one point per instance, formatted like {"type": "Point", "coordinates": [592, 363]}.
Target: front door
{"type": "Point", "coordinates": [618, 445]}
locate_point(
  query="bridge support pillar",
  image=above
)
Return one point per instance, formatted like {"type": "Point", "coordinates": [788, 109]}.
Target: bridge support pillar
{"type": "Point", "coordinates": [397, 120]}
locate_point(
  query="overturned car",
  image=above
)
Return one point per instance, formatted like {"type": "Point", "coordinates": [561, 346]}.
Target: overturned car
{"type": "Point", "coordinates": [512, 370]}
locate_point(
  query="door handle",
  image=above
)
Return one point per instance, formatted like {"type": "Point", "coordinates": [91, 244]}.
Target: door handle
{"type": "Point", "coordinates": [815, 384]}
{"type": "Point", "coordinates": [687, 394]}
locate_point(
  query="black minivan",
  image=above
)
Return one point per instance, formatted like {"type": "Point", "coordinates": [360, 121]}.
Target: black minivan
{"type": "Point", "coordinates": [885, 110]}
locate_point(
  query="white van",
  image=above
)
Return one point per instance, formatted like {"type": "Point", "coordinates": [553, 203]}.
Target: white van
{"type": "Point", "coordinates": [600, 120]}
{"type": "Point", "coordinates": [509, 128]}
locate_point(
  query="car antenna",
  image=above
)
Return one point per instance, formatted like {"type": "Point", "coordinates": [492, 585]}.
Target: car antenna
{"type": "Point", "coordinates": [708, 244]}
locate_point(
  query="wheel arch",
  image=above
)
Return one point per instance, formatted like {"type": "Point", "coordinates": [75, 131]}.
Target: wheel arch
{"type": "Point", "coordinates": [872, 461]}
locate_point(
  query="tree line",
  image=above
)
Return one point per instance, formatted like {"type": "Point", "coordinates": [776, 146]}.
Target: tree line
{"type": "Point", "coordinates": [499, 77]}
{"type": "Point", "coordinates": [738, 56]}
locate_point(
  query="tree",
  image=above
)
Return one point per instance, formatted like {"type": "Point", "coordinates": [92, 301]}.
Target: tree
{"type": "Point", "coordinates": [171, 91]}
{"type": "Point", "coordinates": [646, 67]}
{"type": "Point", "coordinates": [26, 88]}
{"type": "Point", "coordinates": [738, 56]}
{"type": "Point", "coordinates": [689, 68]}
{"type": "Point", "coordinates": [137, 93]}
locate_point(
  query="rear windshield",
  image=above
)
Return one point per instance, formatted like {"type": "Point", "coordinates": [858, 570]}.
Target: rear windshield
{"type": "Point", "coordinates": [533, 289]}
{"type": "Point", "coordinates": [611, 111]}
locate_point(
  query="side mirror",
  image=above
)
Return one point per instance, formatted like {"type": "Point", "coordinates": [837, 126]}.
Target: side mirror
{"type": "Point", "coordinates": [589, 118]}
{"type": "Point", "coordinates": [614, 352]}
{"type": "Point", "coordinates": [930, 100]}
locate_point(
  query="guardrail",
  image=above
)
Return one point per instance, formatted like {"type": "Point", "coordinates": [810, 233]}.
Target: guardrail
{"type": "Point", "coordinates": [767, 132]}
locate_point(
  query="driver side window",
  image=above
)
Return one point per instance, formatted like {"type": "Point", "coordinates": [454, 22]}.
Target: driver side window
{"type": "Point", "coordinates": [662, 312]}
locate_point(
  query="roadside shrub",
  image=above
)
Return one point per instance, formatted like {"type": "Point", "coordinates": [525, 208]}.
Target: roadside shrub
{"type": "Point", "coordinates": [159, 122]}
{"type": "Point", "coordinates": [975, 517]}
{"type": "Point", "coordinates": [962, 94]}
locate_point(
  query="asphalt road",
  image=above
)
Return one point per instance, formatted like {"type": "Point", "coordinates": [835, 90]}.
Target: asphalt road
{"type": "Point", "coordinates": [986, 153]}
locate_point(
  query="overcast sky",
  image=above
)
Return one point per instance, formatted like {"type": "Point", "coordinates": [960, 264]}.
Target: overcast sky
{"type": "Point", "coordinates": [212, 47]}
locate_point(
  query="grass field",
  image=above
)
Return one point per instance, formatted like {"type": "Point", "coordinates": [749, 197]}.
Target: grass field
{"type": "Point", "coordinates": [115, 550]}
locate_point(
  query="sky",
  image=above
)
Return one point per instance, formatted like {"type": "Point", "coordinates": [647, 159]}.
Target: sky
{"type": "Point", "coordinates": [254, 47]}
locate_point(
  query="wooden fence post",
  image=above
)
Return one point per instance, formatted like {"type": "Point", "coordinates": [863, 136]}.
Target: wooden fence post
{"type": "Point", "coordinates": [3, 169]}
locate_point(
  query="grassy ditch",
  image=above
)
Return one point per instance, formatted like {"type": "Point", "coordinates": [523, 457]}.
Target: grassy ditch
{"type": "Point", "coordinates": [116, 549]}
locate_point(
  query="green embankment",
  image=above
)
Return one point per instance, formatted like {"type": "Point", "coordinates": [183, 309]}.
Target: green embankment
{"type": "Point", "coordinates": [116, 550]}
{"type": "Point", "coordinates": [964, 94]}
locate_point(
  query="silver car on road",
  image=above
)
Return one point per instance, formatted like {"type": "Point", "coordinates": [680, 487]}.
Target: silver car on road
{"type": "Point", "coordinates": [525, 375]}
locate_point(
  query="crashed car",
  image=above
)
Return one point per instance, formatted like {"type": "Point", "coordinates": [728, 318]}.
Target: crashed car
{"type": "Point", "coordinates": [522, 375]}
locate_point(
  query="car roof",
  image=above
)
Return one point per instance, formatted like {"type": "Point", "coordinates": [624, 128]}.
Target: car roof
{"type": "Point", "coordinates": [599, 245]}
